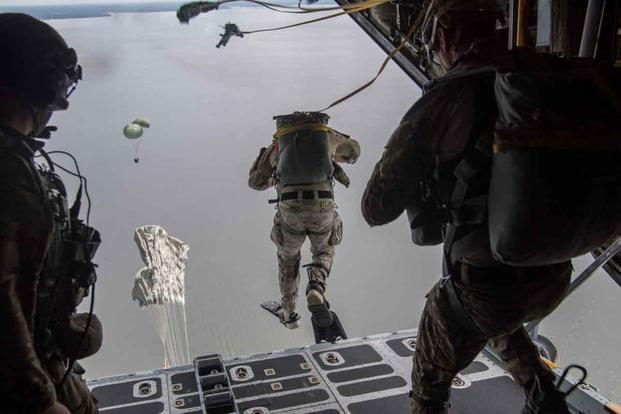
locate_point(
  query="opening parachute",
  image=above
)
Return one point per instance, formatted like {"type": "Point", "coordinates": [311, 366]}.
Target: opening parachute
{"type": "Point", "coordinates": [159, 288]}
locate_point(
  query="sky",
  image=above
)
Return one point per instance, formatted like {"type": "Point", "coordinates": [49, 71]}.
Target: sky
{"type": "Point", "coordinates": [65, 2]}
{"type": "Point", "coordinates": [211, 110]}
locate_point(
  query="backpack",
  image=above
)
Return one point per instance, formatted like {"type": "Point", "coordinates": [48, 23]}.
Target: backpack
{"type": "Point", "coordinates": [303, 144]}
{"type": "Point", "coordinates": [555, 184]}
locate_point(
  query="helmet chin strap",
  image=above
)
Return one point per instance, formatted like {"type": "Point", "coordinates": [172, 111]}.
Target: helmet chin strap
{"type": "Point", "coordinates": [40, 118]}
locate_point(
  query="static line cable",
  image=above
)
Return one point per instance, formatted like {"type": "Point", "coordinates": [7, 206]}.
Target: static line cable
{"type": "Point", "coordinates": [381, 69]}
{"type": "Point", "coordinates": [359, 8]}
{"type": "Point", "coordinates": [189, 10]}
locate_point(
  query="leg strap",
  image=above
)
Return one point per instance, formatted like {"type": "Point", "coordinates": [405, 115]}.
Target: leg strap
{"type": "Point", "coordinates": [459, 311]}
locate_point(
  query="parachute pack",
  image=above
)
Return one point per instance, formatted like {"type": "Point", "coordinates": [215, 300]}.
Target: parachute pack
{"type": "Point", "coordinates": [555, 190]}
{"type": "Point", "coordinates": [303, 149]}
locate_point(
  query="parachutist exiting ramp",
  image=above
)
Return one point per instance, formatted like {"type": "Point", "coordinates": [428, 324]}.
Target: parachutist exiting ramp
{"type": "Point", "coordinates": [275, 308]}
{"type": "Point", "coordinates": [331, 333]}
{"type": "Point", "coordinates": [230, 30]}
{"type": "Point", "coordinates": [325, 333]}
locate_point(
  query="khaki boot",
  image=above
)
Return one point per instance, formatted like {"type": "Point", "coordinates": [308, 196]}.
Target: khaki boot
{"type": "Point", "coordinates": [551, 401]}
{"type": "Point", "coordinates": [290, 317]}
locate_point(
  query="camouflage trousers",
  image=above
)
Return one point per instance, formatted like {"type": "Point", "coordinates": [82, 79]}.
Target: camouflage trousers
{"type": "Point", "coordinates": [323, 227]}
{"type": "Point", "coordinates": [498, 300]}
{"type": "Point", "coordinates": [74, 393]}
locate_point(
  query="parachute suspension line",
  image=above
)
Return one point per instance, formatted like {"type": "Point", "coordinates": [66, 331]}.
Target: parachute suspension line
{"type": "Point", "coordinates": [156, 317]}
{"type": "Point", "coordinates": [179, 330]}
{"type": "Point", "coordinates": [170, 342]}
{"type": "Point", "coordinates": [177, 340]}
{"type": "Point", "coordinates": [185, 334]}
{"type": "Point", "coordinates": [186, 347]}
{"type": "Point", "coordinates": [160, 286]}
{"type": "Point", "coordinates": [136, 151]}
{"type": "Point", "coordinates": [358, 8]}
{"type": "Point", "coordinates": [379, 72]}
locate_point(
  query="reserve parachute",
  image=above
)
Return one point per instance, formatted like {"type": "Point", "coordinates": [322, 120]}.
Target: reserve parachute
{"type": "Point", "coordinates": [159, 288]}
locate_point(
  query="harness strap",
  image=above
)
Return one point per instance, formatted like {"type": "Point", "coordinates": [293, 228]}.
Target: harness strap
{"type": "Point", "coordinates": [460, 312]}
{"type": "Point", "coordinates": [476, 212]}
{"type": "Point", "coordinates": [307, 126]}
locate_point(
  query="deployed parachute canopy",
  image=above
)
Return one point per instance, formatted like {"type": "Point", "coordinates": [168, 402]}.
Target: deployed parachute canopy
{"type": "Point", "coordinates": [134, 130]}
{"type": "Point", "coordinates": [159, 288]}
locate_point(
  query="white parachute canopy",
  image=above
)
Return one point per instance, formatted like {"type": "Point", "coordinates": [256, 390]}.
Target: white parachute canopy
{"type": "Point", "coordinates": [160, 289]}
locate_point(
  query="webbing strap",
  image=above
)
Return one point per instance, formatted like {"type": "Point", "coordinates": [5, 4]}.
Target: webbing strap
{"type": "Point", "coordinates": [476, 158]}
{"type": "Point", "coordinates": [568, 142]}
{"type": "Point", "coordinates": [381, 69]}
{"type": "Point", "coordinates": [460, 312]}
{"type": "Point", "coordinates": [356, 9]}
{"type": "Point", "coordinates": [307, 126]}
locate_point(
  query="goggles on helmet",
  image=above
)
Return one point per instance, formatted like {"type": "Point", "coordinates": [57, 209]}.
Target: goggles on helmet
{"type": "Point", "coordinates": [70, 72]}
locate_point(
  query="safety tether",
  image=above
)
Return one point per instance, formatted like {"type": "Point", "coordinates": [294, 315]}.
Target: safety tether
{"type": "Point", "coordinates": [349, 10]}
{"type": "Point", "coordinates": [379, 72]}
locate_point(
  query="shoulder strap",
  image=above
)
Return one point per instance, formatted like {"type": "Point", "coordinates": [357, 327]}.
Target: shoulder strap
{"type": "Point", "coordinates": [476, 158]}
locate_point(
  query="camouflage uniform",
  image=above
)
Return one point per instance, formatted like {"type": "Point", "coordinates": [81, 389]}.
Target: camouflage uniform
{"type": "Point", "coordinates": [27, 383]}
{"type": "Point", "coordinates": [296, 219]}
{"type": "Point", "coordinates": [498, 298]}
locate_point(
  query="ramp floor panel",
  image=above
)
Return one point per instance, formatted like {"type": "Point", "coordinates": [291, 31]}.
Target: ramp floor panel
{"type": "Point", "coordinates": [357, 376]}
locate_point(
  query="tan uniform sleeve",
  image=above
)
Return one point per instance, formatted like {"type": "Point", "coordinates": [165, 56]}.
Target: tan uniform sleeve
{"type": "Point", "coordinates": [24, 234]}
{"type": "Point", "coordinates": [344, 148]}
{"type": "Point", "coordinates": [262, 170]}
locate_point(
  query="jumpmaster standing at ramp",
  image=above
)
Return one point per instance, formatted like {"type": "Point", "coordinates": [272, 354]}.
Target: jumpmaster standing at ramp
{"type": "Point", "coordinates": [444, 141]}
{"type": "Point", "coordinates": [45, 249]}
{"type": "Point", "coordinates": [301, 163]}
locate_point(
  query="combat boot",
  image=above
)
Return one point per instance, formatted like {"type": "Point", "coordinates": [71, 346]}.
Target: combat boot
{"type": "Point", "coordinates": [289, 317]}
{"type": "Point", "coordinates": [318, 305]}
{"type": "Point", "coordinates": [548, 400]}
{"type": "Point", "coordinates": [420, 408]}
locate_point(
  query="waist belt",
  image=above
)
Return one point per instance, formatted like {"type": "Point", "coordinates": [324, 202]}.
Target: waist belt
{"type": "Point", "coordinates": [499, 275]}
{"type": "Point", "coordinates": [305, 195]}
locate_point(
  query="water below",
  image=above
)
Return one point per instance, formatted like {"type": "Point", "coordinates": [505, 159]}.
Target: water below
{"type": "Point", "coordinates": [211, 110]}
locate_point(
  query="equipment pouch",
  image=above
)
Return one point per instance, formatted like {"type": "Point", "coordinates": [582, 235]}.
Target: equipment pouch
{"type": "Point", "coordinates": [337, 232]}
{"type": "Point", "coordinates": [425, 227]}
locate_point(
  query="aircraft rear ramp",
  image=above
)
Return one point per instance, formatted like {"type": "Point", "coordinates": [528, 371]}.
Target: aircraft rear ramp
{"type": "Point", "coordinates": [369, 375]}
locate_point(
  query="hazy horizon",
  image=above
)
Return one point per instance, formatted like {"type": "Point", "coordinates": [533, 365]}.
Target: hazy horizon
{"type": "Point", "coordinates": [211, 110]}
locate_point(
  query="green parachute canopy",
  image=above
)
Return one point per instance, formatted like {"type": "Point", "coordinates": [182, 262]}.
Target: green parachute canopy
{"type": "Point", "coordinates": [134, 130]}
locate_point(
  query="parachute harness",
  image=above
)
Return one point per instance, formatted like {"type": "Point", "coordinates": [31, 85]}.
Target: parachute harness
{"type": "Point", "coordinates": [306, 126]}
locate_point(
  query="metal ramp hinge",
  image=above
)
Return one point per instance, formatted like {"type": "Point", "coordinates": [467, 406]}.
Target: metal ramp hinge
{"type": "Point", "coordinates": [213, 382]}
